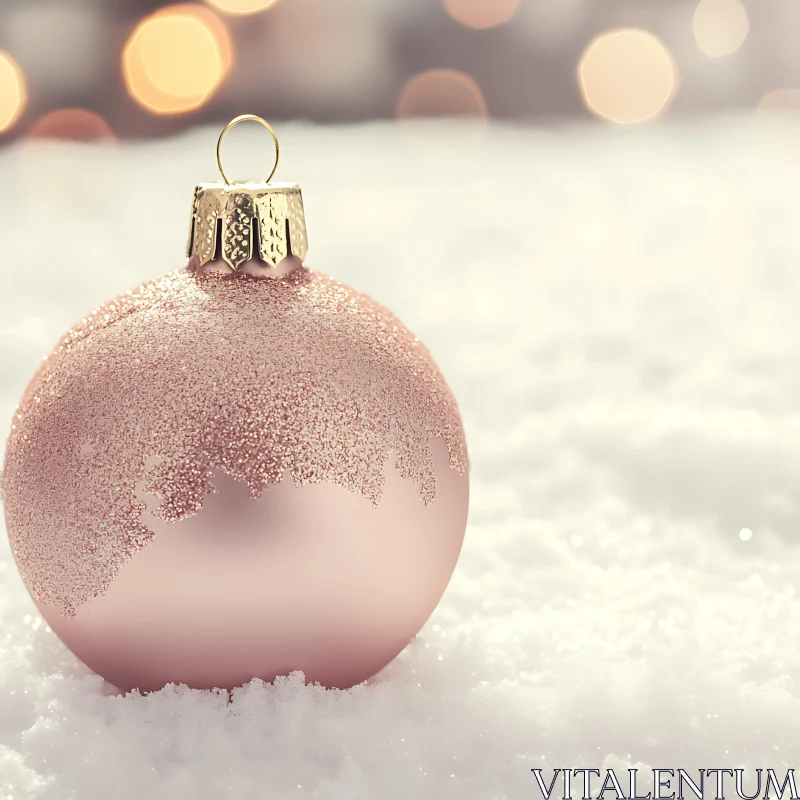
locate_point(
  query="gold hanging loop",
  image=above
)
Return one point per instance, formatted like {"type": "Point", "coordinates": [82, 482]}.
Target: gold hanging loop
{"type": "Point", "coordinates": [236, 121]}
{"type": "Point", "coordinates": [237, 222]}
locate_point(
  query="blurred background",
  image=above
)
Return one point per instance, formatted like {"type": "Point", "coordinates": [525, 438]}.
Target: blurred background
{"type": "Point", "coordinates": [95, 69]}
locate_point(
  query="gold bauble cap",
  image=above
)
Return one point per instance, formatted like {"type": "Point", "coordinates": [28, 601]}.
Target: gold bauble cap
{"type": "Point", "coordinates": [240, 221]}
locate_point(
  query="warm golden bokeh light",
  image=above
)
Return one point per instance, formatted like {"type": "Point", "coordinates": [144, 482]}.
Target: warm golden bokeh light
{"type": "Point", "coordinates": [441, 92]}
{"type": "Point", "coordinates": [780, 100]}
{"type": "Point", "coordinates": [481, 13]}
{"type": "Point", "coordinates": [72, 124]}
{"type": "Point", "coordinates": [13, 94]}
{"type": "Point", "coordinates": [720, 26]}
{"type": "Point", "coordinates": [242, 6]}
{"type": "Point", "coordinates": [627, 76]}
{"type": "Point", "coordinates": [176, 58]}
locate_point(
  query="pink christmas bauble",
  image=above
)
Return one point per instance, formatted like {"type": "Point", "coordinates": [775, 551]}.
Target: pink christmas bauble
{"type": "Point", "coordinates": [217, 477]}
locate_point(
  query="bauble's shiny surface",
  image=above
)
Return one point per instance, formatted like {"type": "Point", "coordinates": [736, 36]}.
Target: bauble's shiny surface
{"type": "Point", "coordinates": [217, 477]}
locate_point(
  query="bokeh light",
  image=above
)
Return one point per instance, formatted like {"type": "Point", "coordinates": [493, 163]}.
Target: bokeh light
{"type": "Point", "coordinates": [176, 59]}
{"type": "Point", "coordinates": [720, 26]}
{"type": "Point", "coordinates": [627, 76]}
{"type": "Point", "coordinates": [13, 94]}
{"type": "Point", "coordinates": [481, 13]}
{"type": "Point", "coordinates": [72, 124]}
{"type": "Point", "coordinates": [242, 6]}
{"type": "Point", "coordinates": [441, 92]}
{"type": "Point", "coordinates": [780, 100]}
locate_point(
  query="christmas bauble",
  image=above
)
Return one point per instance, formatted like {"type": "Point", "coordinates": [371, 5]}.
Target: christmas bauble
{"type": "Point", "coordinates": [222, 476]}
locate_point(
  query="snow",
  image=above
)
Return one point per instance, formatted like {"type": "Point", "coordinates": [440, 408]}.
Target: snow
{"type": "Point", "coordinates": [616, 312]}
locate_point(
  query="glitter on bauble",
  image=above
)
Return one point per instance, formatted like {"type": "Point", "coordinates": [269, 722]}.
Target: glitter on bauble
{"type": "Point", "coordinates": [237, 471]}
